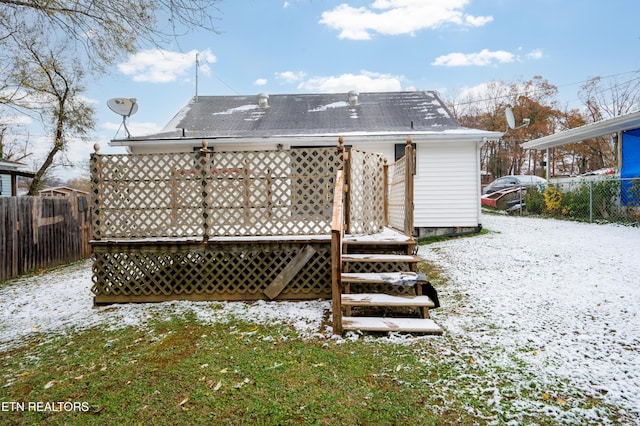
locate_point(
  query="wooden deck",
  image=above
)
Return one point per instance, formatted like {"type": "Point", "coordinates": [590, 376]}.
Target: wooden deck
{"type": "Point", "coordinates": [268, 225]}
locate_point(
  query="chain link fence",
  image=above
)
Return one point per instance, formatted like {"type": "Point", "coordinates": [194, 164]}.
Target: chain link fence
{"type": "Point", "coordinates": [609, 199]}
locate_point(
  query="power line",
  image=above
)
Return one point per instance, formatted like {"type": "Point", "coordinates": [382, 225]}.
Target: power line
{"type": "Point", "coordinates": [526, 92]}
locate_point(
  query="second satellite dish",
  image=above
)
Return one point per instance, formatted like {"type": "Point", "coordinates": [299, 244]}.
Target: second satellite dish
{"type": "Point", "coordinates": [511, 121]}
{"type": "Point", "coordinates": [123, 106]}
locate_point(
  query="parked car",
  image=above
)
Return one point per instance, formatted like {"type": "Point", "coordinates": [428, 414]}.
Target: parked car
{"type": "Point", "coordinates": [600, 172]}
{"type": "Point", "coordinates": [513, 181]}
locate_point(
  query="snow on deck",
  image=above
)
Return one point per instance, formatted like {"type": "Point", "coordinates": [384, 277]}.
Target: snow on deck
{"type": "Point", "coordinates": [387, 235]}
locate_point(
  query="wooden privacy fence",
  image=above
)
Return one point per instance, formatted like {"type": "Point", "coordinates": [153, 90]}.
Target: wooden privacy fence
{"type": "Point", "coordinates": [39, 232]}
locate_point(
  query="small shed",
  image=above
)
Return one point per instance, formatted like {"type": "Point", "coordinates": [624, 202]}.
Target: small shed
{"type": "Point", "coordinates": [447, 174]}
{"type": "Point", "coordinates": [61, 191]}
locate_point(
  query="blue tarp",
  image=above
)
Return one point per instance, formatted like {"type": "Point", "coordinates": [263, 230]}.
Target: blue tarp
{"type": "Point", "coordinates": [630, 190]}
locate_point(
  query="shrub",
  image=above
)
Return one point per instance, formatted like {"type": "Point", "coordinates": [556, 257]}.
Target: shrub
{"type": "Point", "coordinates": [552, 200]}
{"type": "Point", "coordinates": [534, 200]}
{"type": "Point", "coordinates": [576, 203]}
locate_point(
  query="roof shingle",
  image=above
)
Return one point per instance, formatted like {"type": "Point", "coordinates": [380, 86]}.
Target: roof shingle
{"type": "Point", "coordinates": [313, 114]}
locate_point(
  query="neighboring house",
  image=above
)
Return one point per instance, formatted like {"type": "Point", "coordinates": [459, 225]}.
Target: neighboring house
{"type": "Point", "coordinates": [447, 179]}
{"type": "Point", "coordinates": [625, 127]}
{"type": "Point", "coordinates": [9, 172]}
{"type": "Point", "coordinates": [61, 191]}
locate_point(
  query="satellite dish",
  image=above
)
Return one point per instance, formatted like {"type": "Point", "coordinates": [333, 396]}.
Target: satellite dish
{"type": "Point", "coordinates": [511, 121]}
{"type": "Point", "coordinates": [125, 107]}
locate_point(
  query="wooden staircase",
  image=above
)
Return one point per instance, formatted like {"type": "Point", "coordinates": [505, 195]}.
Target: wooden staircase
{"type": "Point", "coordinates": [379, 276]}
{"type": "Point", "coordinates": [375, 283]}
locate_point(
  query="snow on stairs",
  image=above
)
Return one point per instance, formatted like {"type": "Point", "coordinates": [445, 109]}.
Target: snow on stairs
{"type": "Point", "coordinates": [400, 269]}
{"type": "Point", "coordinates": [409, 325]}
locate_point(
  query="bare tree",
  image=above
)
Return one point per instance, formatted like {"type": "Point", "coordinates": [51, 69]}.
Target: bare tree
{"type": "Point", "coordinates": [11, 148]}
{"type": "Point", "coordinates": [611, 97]}
{"type": "Point", "coordinates": [108, 29]}
{"type": "Point", "coordinates": [48, 46]}
{"type": "Point", "coordinates": [52, 87]}
{"type": "Point", "coordinates": [605, 99]}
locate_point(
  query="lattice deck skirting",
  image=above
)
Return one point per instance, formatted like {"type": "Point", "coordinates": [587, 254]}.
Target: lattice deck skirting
{"type": "Point", "coordinates": [129, 271]}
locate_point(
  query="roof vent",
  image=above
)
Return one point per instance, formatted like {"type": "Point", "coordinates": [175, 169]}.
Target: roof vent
{"type": "Point", "coordinates": [353, 98]}
{"type": "Point", "coordinates": [263, 100]}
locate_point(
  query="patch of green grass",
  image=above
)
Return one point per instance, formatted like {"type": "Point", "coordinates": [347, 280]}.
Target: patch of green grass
{"type": "Point", "coordinates": [439, 238]}
{"type": "Point", "coordinates": [183, 372]}
{"type": "Point", "coordinates": [180, 371]}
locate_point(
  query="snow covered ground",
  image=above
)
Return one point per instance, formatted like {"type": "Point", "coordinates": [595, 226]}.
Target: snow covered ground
{"type": "Point", "coordinates": [563, 298]}
{"type": "Point", "coordinates": [544, 297]}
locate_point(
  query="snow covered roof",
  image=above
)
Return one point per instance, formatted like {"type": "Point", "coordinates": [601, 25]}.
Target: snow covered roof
{"type": "Point", "coordinates": [14, 168]}
{"type": "Point", "coordinates": [312, 115]}
{"type": "Point", "coordinates": [10, 165]}
{"type": "Point", "coordinates": [589, 131]}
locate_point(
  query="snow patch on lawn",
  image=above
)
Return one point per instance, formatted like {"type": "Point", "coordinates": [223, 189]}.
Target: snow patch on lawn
{"type": "Point", "coordinates": [61, 300]}
{"type": "Point", "coordinates": [542, 300]}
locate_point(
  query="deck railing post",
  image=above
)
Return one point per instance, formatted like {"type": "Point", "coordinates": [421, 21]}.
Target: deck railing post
{"type": "Point", "coordinates": [386, 189]}
{"type": "Point", "coordinates": [97, 184]}
{"type": "Point", "coordinates": [346, 161]}
{"type": "Point", "coordinates": [408, 195]}
{"type": "Point", "coordinates": [205, 170]}
{"type": "Point", "coordinates": [337, 232]}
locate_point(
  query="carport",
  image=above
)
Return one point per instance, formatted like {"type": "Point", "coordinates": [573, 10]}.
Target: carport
{"type": "Point", "coordinates": [625, 127]}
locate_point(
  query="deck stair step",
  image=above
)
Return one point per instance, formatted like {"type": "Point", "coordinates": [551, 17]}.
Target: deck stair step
{"type": "Point", "coordinates": [379, 247]}
{"type": "Point", "coordinates": [392, 257]}
{"type": "Point", "coordinates": [411, 325]}
{"type": "Point", "coordinates": [378, 299]}
{"type": "Point", "coordinates": [395, 278]}
{"type": "Point", "coordinates": [380, 258]}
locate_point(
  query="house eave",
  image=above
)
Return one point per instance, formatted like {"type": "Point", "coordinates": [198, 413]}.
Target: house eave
{"type": "Point", "coordinates": [451, 136]}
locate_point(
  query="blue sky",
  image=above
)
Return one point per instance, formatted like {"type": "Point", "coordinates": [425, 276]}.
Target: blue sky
{"type": "Point", "coordinates": [300, 46]}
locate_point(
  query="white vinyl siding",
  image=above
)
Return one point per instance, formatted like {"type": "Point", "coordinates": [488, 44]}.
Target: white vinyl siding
{"type": "Point", "coordinates": [446, 188]}
{"type": "Point", "coordinates": [5, 186]}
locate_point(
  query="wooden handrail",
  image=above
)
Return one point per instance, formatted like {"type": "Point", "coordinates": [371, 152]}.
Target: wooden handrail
{"type": "Point", "coordinates": [337, 230]}
{"type": "Point", "coordinates": [338, 202]}
{"type": "Point", "coordinates": [408, 188]}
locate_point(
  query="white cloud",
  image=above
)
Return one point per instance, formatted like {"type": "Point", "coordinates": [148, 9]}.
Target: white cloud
{"type": "Point", "coordinates": [393, 17]}
{"type": "Point", "coordinates": [260, 82]}
{"type": "Point", "coordinates": [9, 119]}
{"type": "Point", "coordinates": [482, 58]}
{"type": "Point", "coordinates": [366, 81]}
{"type": "Point", "coordinates": [286, 5]}
{"type": "Point", "coordinates": [164, 66]}
{"type": "Point", "coordinates": [290, 76]}
{"type": "Point", "coordinates": [535, 54]}
{"type": "Point", "coordinates": [477, 21]}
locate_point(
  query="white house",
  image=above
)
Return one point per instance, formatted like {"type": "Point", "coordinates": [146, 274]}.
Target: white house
{"type": "Point", "coordinates": [447, 180]}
